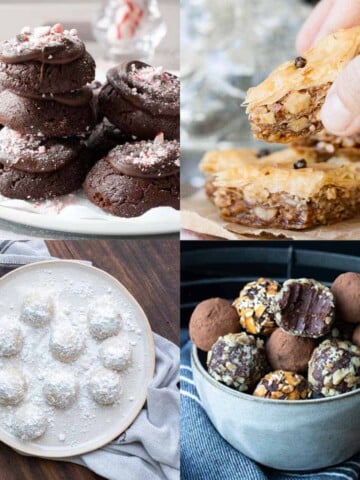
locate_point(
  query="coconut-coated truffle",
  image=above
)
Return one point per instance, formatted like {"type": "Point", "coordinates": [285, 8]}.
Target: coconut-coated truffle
{"type": "Point", "coordinates": [210, 320]}
{"type": "Point", "coordinates": [334, 368]}
{"type": "Point", "coordinates": [346, 289]}
{"type": "Point", "coordinates": [283, 385]}
{"type": "Point", "coordinates": [238, 360]}
{"type": "Point", "coordinates": [256, 306]}
{"type": "Point", "coordinates": [288, 352]}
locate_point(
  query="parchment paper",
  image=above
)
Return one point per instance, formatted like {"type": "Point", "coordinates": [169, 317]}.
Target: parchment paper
{"type": "Point", "coordinates": [199, 215]}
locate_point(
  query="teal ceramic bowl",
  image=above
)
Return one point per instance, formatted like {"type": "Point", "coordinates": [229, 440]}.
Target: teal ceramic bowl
{"type": "Point", "coordinates": [282, 434]}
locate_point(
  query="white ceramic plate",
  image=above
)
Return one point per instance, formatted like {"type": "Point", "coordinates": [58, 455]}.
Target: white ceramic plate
{"type": "Point", "coordinates": [154, 222]}
{"type": "Point", "coordinates": [86, 425]}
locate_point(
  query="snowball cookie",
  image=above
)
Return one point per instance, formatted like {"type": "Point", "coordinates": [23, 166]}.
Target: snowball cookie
{"type": "Point", "coordinates": [104, 386]}
{"type": "Point", "coordinates": [12, 386]}
{"type": "Point", "coordinates": [210, 320]}
{"type": "Point", "coordinates": [29, 422]}
{"type": "Point", "coordinates": [115, 353]}
{"type": "Point", "coordinates": [61, 389]}
{"type": "Point", "coordinates": [37, 308]}
{"type": "Point", "coordinates": [287, 352]}
{"type": "Point", "coordinates": [238, 360]}
{"type": "Point", "coordinates": [346, 290]}
{"type": "Point", "coordinates": [104, 318]}
{"type": "Point", "coordinates": [11, 338]}
{"type": "Point", "coordinates": [66, 342]}
{"type": "Point", "coordinates": [334, 367]}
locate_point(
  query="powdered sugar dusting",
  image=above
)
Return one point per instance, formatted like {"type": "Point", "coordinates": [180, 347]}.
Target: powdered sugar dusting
{"type": "Point", "coordinates": [77, 418]}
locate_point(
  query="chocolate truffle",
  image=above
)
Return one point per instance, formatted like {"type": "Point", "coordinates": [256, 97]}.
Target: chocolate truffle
{"type": "Point", "coordinates": [346, 290]}
{"type": "Point", "coordinates": [356, 336]}
{"type": "Point", "coordinates": [283, 385]}
{"type": "Point", "coordinates": [256, 306]}
{"type": "Point", "coordinates": [287, 352]}
{"type": "Point", "coordinates": [334, 367]}
{"type": "Point", "coordinates": [305, 308]}
{"type": "Point", "coordinates": [210, 320]}
{"type": "Point", "coordinates": [238, 360]}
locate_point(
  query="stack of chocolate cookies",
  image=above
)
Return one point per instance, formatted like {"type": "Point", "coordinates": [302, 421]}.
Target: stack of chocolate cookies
{"type": "Point", "coordinates": [47, 110]}
{"type": "Point", "coordinates": [143, 102]}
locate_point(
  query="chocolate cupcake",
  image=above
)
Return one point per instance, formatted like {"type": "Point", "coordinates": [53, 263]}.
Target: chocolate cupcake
{"type": "Point", "coordinates": [142, 100]}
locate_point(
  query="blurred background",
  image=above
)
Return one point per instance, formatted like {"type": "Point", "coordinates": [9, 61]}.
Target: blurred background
{"type": "Point", "coordinates": [226, 47]}
{"type": "Point", "coordinates": [150, 32]}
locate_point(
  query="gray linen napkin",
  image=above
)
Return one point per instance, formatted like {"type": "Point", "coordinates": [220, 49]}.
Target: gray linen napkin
{"type": "Point", "coordinates": [149, 448]}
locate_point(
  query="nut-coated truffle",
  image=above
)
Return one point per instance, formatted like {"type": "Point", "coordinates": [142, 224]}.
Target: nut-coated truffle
{"type": "Point", "coordinates": [287, 352]}
{"type": "Point", "coordinates": [346, 289]}
{"type": "Point", "coordinates": [334, 368]}
{"type": "Point", "coordinates": [305, 308]}
{"type": "Point", "coordinates": [256, 306]}
{"type": "Point", "coordinates": [283, 385]}
{"type": "Point", "coordinates": [238, 360]}
{"type": "Point", "coordinates": [210, 320]}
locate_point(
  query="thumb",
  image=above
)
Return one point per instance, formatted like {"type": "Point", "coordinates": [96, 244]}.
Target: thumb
{"type": "Point", "coordinates": [340, 113]}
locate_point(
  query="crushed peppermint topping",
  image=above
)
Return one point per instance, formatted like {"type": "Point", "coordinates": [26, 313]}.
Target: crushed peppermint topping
{"type": "Point", "coordinates": [155, 81]}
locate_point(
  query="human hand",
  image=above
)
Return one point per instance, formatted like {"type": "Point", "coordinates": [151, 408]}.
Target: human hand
{"type": "Point", "coordinates": [341, 111]}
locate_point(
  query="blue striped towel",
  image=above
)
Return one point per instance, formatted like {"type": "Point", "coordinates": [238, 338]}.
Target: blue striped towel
{"type": "Point", "coordinates": [205, 455]}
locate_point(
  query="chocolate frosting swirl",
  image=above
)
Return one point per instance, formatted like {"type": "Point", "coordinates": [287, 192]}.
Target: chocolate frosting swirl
{"type": "Point", "coordinates": [147, 87]}
{"type": "Point", "coordinates": [78, 98]}
{"type": "Point", "coordinates": [43, 45]}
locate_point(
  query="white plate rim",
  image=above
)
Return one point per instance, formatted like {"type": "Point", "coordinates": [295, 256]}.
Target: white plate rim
{"type": "Point", "coordinates": [87, 226]}
{"type": "Point", "coordinates": [32, 450]}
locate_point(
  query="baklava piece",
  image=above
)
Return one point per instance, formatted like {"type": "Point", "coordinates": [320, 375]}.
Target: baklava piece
{"type": "Point", "coordinates": [286, 106]}
{"type": "Point", "coordinates": [296, 197]}
{"type": "Point", "coordinates": [324, 145]}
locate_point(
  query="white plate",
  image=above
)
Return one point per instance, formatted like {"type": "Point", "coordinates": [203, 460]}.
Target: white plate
{"type": "Point", "coordinates": [86, 426]}
{"type": "Point", "coordinates": [82, 217]}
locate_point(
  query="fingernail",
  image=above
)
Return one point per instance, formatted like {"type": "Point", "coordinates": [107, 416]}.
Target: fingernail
{"type": "Point", "coordinates": [334, 114]}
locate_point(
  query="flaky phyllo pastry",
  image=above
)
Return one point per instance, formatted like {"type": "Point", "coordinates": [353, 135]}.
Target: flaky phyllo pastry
{"type": "Point", "coordinates": [286, 106]}
{"type": "Point", "coordinates": [323, 145]}
{"type": "Point", "coordinates": [284, 191]}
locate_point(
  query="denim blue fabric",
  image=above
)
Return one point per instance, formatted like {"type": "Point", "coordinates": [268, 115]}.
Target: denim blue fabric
{"type": "Point", "coordinates": [205, 455]}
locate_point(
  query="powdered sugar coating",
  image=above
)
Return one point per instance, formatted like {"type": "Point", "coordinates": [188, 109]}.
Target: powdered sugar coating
{"type": "Point", "coordinates": [12, 386]}
{"type": "Point", "coordinates": [115, 353]}
{"type": "Point", "coordinates": [37, 308]}
{"type": "Point", "coordinates": [66, 342]}
{"type": "Point", "coordinates": [104, 319]}
{"type": "Point", "coordinates": [104, 386]}
{"type": "Point", "coordinates": [29, 422]}
{"type": "Point", "coordinates": [11, 338]}
{"type": "Point", "coordinates": [61, 389]}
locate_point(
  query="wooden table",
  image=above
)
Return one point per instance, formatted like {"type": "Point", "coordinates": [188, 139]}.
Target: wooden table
{"type": "Point", "coordinates": [150, 271]}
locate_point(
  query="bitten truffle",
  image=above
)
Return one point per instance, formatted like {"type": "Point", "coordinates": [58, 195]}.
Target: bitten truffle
{"type": "Point", "coordinates": [256, 306]}
{"type": "Point", "coordinates": [287, 352]}
{"type": "Point", "coordinates": [305, 308]}
{"type": "Point", "coordinates": [283, 385]}
{"type": "Point", "coordinates": [346, 289]}
{"type": "Point", "coordinates": [334, 368]}
{"type": "Point", "coordinates": [210, 320]}
{"type": "Point", "coordinates": [238, 360]}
